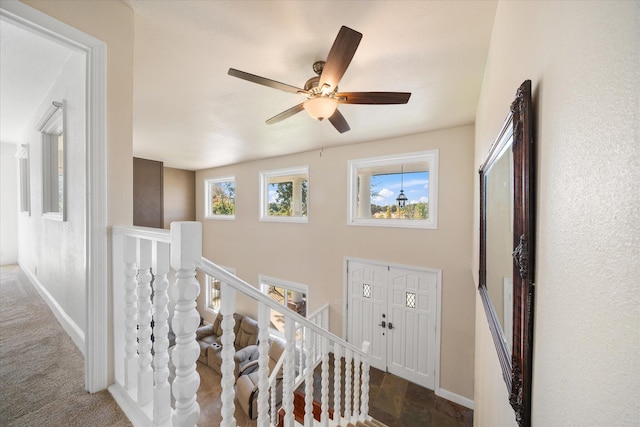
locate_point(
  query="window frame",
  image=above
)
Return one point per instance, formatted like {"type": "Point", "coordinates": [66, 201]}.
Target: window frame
{"type": "Point", "coordinates": [207, 197]}
{"type": "Point", "coordinates": [429, 156]}
{"type": "Point", "coordinates": [264, 194]}
{"type": "Point", "coordinates": [209, 280]}
{"type": "Point", "coordinates": [266, 281]}
{"type": "Point", "coordinates": [54, 192]}
{"type": "Point", "coordinates": [22, 154]}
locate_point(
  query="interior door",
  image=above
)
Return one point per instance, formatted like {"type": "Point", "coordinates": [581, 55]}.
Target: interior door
{"type": "Point", "coordinates": [411, 325]}
{"type": "Point", "coordinates": [366, 306]}
{"type": "Point", "coordinates": [395, 309]}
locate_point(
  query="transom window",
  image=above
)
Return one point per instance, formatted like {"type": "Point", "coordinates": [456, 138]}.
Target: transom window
{"type": "Point", "coordinates": [291, 295]}
{"type": "Point", "coordinates": [394, 191]}
{"type": "Point", "coordinates": [220, 196]}
{"type": "Point", "coordinates": [284, 195]}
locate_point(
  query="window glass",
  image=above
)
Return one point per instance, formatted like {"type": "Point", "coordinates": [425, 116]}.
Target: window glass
{"type": "Point", "coordinates": [394, 191]}
{"type": "Point", "coordinates": [291, 295]}
{"type": "Point", "coordinates": [53, 161]}
{"type": "Point", "coordinates": [220, 198]}
{"type": "Point", "coordinates": [212, 292]}
{"type": "Point", "coordinates": [285, 195]}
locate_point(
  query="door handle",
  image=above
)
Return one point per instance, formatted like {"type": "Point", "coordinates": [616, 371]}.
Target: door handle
{"type": "Point", "coordinates": [383, 324]}
{"type": "Point", "coordinates": [390, 325]}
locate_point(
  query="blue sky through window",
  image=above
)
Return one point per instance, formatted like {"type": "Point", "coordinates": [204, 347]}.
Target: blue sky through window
{"type": "Point", "coordinates": [387, 187]}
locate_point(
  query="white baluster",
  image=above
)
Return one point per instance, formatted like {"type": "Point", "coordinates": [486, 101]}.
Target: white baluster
{"type": "Point", "coordinates": [130, 313]}
{"type": "Point", "coordinates": [300, 337]}
{"type": "Point", "coordinates": [324, 414]}
{"type": "Point", "coordinates": [337, 380]}
{"type": "Point", "coordinates": [289, 371]}
{"type": "Point", "coordinates": [356, 386]}
{"type": "Point", "coordinates": [186, 249]}
{"type": "Point", "coordinates": [364, 404]}
{"type": "Point", "coordinates": [162, 389]}
{"type": "Point", "coordinates": [347, 385]}
{"type": "Point", "coordinates": [309, 343]}
{"type": "Point", "coordinates": [145, 373]}
{"type": "Point", "coordinates": [274, 413]}
{"type": "Point", "coordinates": [263, 363]}
{"type": "Point", "coordinates": [227, 307]}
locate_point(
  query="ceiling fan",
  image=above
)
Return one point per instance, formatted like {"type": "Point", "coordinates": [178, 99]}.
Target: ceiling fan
{"type": "Point", "coordinates": [321, 91]}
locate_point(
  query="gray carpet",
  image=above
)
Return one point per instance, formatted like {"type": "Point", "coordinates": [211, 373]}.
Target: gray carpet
{"type": "Point", "coordinates": [41, 369]}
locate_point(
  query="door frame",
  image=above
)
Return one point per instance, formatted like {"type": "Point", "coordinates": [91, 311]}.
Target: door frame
{"type": "Point", "coordinates": [97, 354]}
{"type": "Point", "coordinates": [438, 314]}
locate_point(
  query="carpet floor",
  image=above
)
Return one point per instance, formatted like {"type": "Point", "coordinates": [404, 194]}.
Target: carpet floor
{"type": "Point", "coordinates": [41, 369]}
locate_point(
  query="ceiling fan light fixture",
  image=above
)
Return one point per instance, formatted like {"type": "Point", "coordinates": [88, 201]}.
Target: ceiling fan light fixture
{"type": "Point", "coordinates": [321, 107]}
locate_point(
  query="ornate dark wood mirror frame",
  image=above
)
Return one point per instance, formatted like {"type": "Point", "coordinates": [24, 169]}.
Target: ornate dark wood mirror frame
{"type": "Point", "coordinates": [514, 346]}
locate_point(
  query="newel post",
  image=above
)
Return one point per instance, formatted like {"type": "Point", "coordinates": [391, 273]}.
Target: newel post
{"type": "Point", "coordinates": [186, 250]}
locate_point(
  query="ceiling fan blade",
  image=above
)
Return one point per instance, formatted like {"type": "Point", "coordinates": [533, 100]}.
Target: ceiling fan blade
{"type": "Point", "coordinates": [339, 122]}
{"type": "Point", "coordinates": [340, 55]}
{"type": "Point", "coordinates": [286, 114]}
{"type": "Point", "coordinates": [264, 81]}
{"type": "Point", "coordinates": [373, 97]}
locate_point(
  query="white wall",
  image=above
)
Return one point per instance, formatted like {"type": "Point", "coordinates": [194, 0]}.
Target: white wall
{"type": "Point", "coordinates": [583, 60]}
{"type": "Point", "coordinates": [53, 252]}
{"type": "Point", "coordinates": [8, 205]}
{"type": "Point", "coordinates": [313, 253]}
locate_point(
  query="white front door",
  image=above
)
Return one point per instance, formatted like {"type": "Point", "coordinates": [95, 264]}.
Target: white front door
{"type": "Point", "coordinates": [367, 304]}
{"type": "Point", "coordinates": [395, 309]}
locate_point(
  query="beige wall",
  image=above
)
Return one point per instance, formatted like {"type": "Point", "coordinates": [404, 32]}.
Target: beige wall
{"type": "Point", "coordinates": [583, 60]}
{"type": "Point", "coordinates": [112, 22]}
{"type": "Point", "coordinates": [314, 253]}
{"type": "Point", "coordinates": [179, 195]}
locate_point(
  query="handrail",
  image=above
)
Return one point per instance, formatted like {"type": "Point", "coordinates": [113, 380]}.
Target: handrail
{"type": "Point", "coordinates": [156, 234]}
{"type": "Point", "coordinates": [235, 282]}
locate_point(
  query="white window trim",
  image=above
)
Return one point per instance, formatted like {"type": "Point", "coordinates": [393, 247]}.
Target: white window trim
{"type": "Point", "coordinates": [22, 154]}
{"type": "Point", "coordinates": [264, 194]}
{"type": "Point", "coordinates": [430, 156]}
{"type": "Point", "coordinates": [207, 198]}
{"type": "Point", "coordinates": [51, 126]}
{"type": "Point", "coordinates": [207, 289]}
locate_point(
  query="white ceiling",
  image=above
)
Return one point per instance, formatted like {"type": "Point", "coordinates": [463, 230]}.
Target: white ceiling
{"type": "Point", "coordinates": [29, 65]}
{"type": "Point", "coordinates": [190, 114]}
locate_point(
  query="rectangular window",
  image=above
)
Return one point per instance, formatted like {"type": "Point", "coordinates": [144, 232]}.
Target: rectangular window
{"type": "Point", "coordinates": [22, 154]}
{"type": "Point", "coordinates": [289, 294]}
{"type": "Point", "coordinates": [284, 195]}
{"type": "Point", "coordinates": [53, 162]}
{"type": "Point", "coordinates": [212, 292]}
{"type": "Point", "coordinates": [394, 191]}
{"type": "Point", "coordinates": [219, 202]}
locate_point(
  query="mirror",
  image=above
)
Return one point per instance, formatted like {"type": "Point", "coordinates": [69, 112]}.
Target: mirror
{"type": "Point", "coordinates": [507, 249]}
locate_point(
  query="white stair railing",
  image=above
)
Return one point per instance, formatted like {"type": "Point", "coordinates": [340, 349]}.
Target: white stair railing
{"type": "Point", "coordinates": [149, 369]}
{"type": "Point", "coordinates": [307, 344]}
{"type": "Point", "coordinates": [142, 258]}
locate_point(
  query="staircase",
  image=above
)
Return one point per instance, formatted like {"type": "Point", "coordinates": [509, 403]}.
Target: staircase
{"type": "Point", "coordinates": [156, 384]}
{"type": "Point", "coordinates": [299, 402]}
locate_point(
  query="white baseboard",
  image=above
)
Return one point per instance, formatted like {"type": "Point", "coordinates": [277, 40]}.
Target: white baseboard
{"type": "Point", "coordinates": [71, 328]}
{"type": "Point", "coordinates": [455, 398]}
{"type": "Point", "coordinates": [137, 416]}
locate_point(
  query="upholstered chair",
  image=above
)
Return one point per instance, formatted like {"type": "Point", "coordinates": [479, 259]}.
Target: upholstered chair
{"type": "Point", "coordinates": [247, 382]}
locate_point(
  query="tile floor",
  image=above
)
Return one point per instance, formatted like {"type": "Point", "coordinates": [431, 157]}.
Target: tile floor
{"type": "Point", "coordinates": [400, 403]}
{"type": "Point", "coordinates": [392, 400]}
